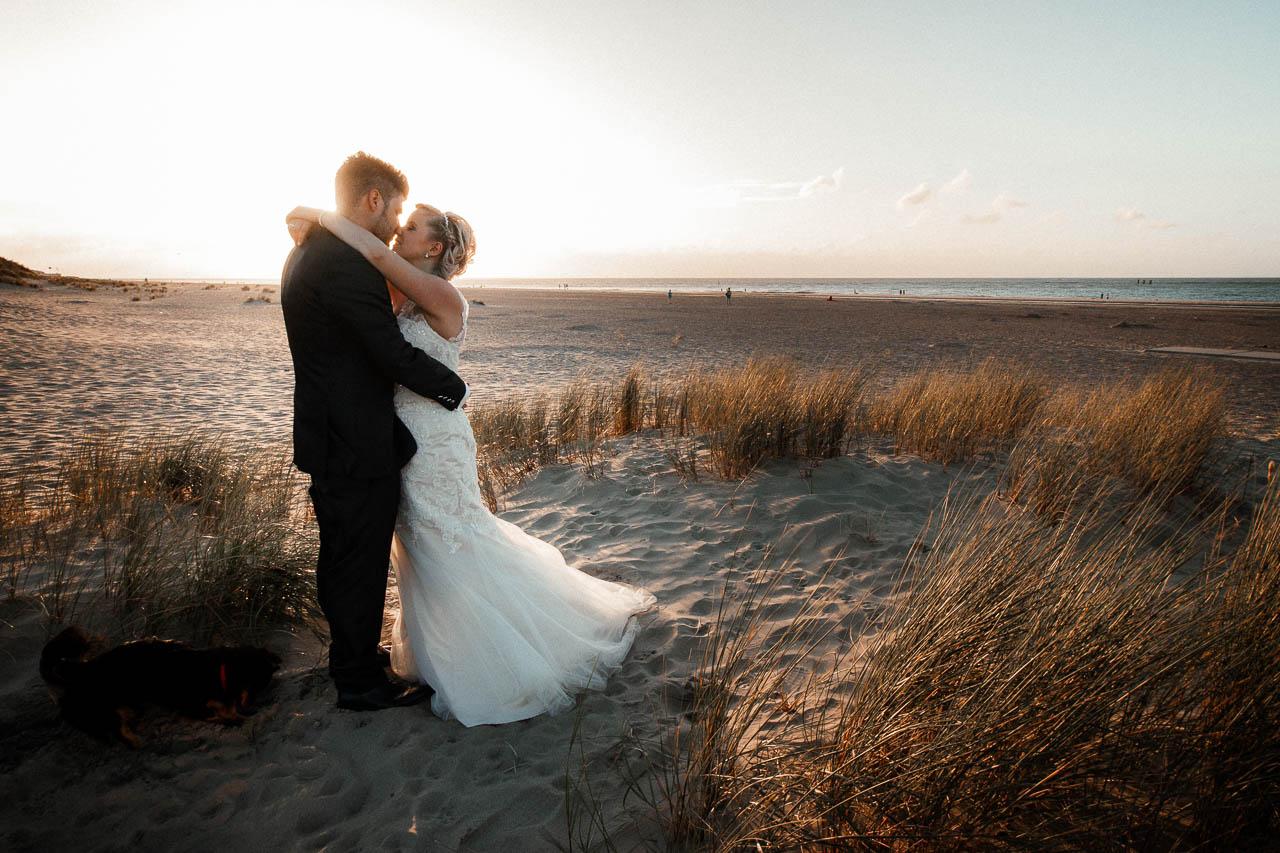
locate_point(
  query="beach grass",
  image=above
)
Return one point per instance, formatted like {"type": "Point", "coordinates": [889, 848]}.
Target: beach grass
{"type": "Point", "coordinates": [182, 530]}
{"type": "Point", "coordinates": [167, 533]}
{"type": "Point", "coordinates": [1071, 662]}
{"type": "Point", "coordinates": [1155, 434]}
{"type": "Point", "coordinates": [951, 415]}
{"type": "Point", "coordinates": [1032, 687]}
{"type": "Point", "coordinates": [766, 409]}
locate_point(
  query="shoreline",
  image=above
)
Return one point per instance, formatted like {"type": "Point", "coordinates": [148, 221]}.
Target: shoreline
{"type": "Point", "coordinates": [885, 297]}
{"type": "Point", "coordinates": [596, 286]}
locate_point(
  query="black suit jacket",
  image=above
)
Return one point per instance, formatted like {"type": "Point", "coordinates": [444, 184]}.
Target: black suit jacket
{"type": "Point", "coordinates": [348, 354]}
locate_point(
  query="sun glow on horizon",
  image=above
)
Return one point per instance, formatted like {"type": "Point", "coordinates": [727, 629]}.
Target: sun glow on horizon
{"type": "Point", "coordinates": [168, 139]}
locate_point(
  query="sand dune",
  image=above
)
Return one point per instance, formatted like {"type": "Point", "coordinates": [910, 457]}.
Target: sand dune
{"type": "Point", "coordinates": [304, 776]}
{"type": "Point", "coordinates": [301, 775]}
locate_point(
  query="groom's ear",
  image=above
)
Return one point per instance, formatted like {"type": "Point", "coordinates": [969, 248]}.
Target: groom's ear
{"type": "Point", "coordinates": [373, 201]}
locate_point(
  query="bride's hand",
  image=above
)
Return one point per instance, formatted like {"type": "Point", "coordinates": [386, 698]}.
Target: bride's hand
{"type": "Point", "coordinates": [298, 230]}
{"type": "Point", "coordinates": [300, 221]}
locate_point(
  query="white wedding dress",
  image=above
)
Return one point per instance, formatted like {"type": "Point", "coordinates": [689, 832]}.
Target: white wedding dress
{"type": "Point", "coordinates": [492, 618]}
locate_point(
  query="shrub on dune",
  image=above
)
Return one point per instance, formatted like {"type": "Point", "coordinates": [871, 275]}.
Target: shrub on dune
{"type": "Point", "coordinates": [186, 537]}
{"type": "Point", "coordinates": [1154, 436]}
{"type": "Point", "coordinates": [951, 415]}
{"type": "Point", "coordinates": [1034, 687]}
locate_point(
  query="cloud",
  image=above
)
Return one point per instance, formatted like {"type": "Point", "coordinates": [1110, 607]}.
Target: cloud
{"type": "Point", "coordinates": [1128, 214]}
{"type": "Point", "coordinates": [749, 190]}
{"type": "Point", "coordinates": [737, 192]}
{"type": "Point", "coordinates": [1004, 201]}
{"type": "Point", "coordinates": [919, 195]}
{"type": "Point", "coordinates": [1159, 224]}
{"type": "Point", "coordinates": [984, 219]}
{"type": "Point", "coordinates": [823, 184]}
{"type": "Point", "coordinates": [958, 184]}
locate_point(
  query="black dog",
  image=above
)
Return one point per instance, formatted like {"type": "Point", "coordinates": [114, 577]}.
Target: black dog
{"type": "Point", "coordinates": [99, 693]}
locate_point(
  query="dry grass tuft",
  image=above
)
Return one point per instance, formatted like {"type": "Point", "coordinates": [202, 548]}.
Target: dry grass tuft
{"type": "Point", "coordinates": [169, 534]}
{"type": "Point", "coordinates": [630, 408]}
{"type": "Point", "coordinates": [750, 685]}
{"type": "Point", "coordinates": [950, 416]}
{"type": "Point", "coordinates": [1238, 740]}
{"type": "Point", "coordinates": [1154, 435]}
{"type": "Point", "coordinates": [763, 410]}
{"type": "Point", "coordinates": [1158, 434]}
{"type": "Point", "coordinates": [682, 453]}
{"type": "Point", "coordinates": [1034, 687]}
{"type": "Point", "coordinates": [828, 406]}
{"type": "Point", "coordinates": [767, 409]}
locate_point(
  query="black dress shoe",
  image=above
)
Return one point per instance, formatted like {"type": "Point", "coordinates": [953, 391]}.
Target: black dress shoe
{"type": "Point", "coordinates": [383, 696]}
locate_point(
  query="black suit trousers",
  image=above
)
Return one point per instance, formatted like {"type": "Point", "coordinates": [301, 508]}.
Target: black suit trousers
{"type": "Point", "coordinates": [356, 518]}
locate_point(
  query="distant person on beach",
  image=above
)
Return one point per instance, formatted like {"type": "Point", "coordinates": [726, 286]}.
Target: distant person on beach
{"type": "Point", "coordinates": [728, 293]}
{"type": "Point", "coordinates": [492, 619]}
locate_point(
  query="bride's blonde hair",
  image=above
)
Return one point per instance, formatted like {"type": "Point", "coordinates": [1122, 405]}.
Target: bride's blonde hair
{"type": "Point", "coordinates": [456, 234]}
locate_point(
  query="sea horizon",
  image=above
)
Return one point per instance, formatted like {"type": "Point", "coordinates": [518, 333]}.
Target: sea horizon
{"type": "Point", "coordinates": [1168, 289]}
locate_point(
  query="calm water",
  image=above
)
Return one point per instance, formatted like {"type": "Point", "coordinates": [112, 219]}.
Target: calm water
{"type": "Point", "coordinates": [1160, 289]}
{"type": "Point", "coordinates": [1142, 290]}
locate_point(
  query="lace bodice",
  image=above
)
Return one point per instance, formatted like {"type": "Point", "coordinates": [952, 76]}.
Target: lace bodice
{"type": "Point", "coordinates": [439, 488]}
{"type": "Point", "coordinates": [417, 331]}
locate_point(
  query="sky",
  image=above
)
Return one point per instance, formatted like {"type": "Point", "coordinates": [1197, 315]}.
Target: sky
{"type": "Point", "coordinates": [811, 138]}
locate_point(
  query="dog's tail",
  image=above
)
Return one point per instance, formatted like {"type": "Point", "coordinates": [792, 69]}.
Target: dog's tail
{"type": "Point", "coordinates": [70, 646]}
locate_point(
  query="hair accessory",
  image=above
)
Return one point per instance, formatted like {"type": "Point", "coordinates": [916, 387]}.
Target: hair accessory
{"type": "Point", "coordinates": [446, 222]}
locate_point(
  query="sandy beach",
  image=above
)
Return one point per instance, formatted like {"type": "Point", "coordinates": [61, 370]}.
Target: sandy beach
{"type": "Point", "coordinates": [301, 775]}
{"type": "Point", "coordinates": [74, 359]}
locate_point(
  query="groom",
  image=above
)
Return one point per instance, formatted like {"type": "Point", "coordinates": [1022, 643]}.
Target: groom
{"type": "Point", "coordinates": [348, 354]}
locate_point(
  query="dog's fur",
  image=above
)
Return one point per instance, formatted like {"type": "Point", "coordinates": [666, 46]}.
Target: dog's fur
{"type": "Point", "coordinates": [100, 693]}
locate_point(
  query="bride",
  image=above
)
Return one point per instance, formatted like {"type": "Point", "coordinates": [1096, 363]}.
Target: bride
{"type": "Point", "coordinates": [491, 618]}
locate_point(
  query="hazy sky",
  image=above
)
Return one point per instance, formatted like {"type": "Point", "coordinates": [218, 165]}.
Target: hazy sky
{"type": "Point", "coordinates": [653, 138]}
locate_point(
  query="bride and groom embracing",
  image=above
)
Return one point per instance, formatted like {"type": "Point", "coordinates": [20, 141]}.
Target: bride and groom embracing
{"type": "Point", "coordinates": [494, 626]}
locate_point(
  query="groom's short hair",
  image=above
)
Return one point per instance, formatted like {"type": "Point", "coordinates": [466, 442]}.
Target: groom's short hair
{"type": "Point", "coordinates": [362, 172]}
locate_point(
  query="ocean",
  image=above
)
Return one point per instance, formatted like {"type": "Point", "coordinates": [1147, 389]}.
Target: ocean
{"type": "Point", "coordinates": [1253, 290]}
{"type": "Point", "coordinates": [1249, 290]}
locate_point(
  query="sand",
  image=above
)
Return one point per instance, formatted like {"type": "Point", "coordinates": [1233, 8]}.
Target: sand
{"type": "Point", "coordinates": [546, 336]}
{"type": "Point", "coordinates": [301, 775]}
{"type": "Point", "coordinates": [73, 359]}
